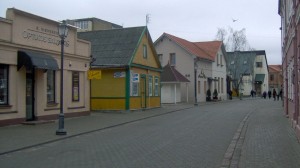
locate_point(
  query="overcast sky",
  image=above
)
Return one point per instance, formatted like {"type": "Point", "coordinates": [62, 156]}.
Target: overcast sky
{"type": "Point", "coordinates": [193, 20]}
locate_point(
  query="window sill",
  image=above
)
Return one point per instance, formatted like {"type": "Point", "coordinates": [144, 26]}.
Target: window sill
{"type": "Point", "coordinates": [52, 104]}
{"type": "Point", "coordinates": [6, 106]}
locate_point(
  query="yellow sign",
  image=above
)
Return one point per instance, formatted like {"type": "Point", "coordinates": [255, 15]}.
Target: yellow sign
{"type": "Point", "coordinates": [94, 74]}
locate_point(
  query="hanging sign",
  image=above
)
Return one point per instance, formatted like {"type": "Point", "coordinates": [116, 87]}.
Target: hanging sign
{"type": "Point", "coordinates": [94, 74]}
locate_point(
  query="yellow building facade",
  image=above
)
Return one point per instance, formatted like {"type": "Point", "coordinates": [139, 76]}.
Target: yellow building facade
{"type": "Point", "coordinates": [130, 70]}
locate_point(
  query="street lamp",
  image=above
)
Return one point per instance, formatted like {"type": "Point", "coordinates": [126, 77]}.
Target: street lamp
{"type": "Point", "coordinates": [63, 33]}
{"type": "Point", "coordinates": [195, 73]}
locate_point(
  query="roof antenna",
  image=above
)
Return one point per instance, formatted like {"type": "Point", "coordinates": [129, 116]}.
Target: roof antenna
{"type": "Point", "coordinates": [147, 19]}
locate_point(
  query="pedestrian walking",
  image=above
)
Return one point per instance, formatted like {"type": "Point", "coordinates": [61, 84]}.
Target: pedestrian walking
{"type": "Point", "coordinates": [230, 94]}
{"type": "Point", "coordinates": [274, 94]}
{"type": "Point", "coordinates": [264, 94]}
{"type": "Point", "coordinates": [269, 94]}
{"type": "Point", "coordinates": [280, 94]}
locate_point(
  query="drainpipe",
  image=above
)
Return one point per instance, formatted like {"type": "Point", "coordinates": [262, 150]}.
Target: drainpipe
{"type": "Point", "coordinates": [296, 48]}
{"type": "Point", "coordinates": [295, 72]}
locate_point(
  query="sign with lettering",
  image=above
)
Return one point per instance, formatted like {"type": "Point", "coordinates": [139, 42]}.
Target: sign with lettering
{"type": "Point", "coordinates": [119, 75]}
{"type": "Point", "coordinates": [135, 77]}
{"type": "Point", "coordinates": [43, 35]}
{"type": "Point", "coordinates": [94, 74]}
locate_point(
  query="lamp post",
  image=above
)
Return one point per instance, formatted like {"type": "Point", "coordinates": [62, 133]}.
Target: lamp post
{"type": "Point", "coordinates": [63, 33]}
{"type": "Point", "coordinates": [195, 76]}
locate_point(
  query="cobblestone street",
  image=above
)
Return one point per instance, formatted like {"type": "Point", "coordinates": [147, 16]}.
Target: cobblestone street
{"type": "Point", "coordinates": [238, 133]}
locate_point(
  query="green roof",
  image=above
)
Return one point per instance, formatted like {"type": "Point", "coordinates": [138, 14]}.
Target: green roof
{"type": "Point", "coordinates": [114, 47]}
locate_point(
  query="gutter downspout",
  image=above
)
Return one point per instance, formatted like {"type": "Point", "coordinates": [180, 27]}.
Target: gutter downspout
{"type": "Point", "coordinates": [296, 50]}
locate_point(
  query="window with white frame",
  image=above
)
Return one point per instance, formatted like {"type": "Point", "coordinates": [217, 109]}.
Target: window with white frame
{"type": "Point", "coordinates": [134, 84]}
{"type": "Point", "coordinates": [221, 59]}
{"type": "Point", "coordinates": [4, 84]}
{"type": "Point", "coordinates": [150, 89]}
{"type": "Point", "coordinates": [172, 59]}
{"type": "Point", "coordinates": [75, 86]}
{"type": "Point", "coordinates": [145, 52]}
{"type": "Point", "coordinates": [50, 86]}
{"type": "Point", "coordinates": [259, 65]}
{"type": "Point", "coordinates": [156, 86]}
{"type": "Point", "coordinates": [82, 24]}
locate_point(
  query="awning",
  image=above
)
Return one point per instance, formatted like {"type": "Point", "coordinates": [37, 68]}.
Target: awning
{"type": "Point", "coordinates": [259, 78]}
{"type": "Point", "coordinates": [212, 79]}
{"type": "Point", "coordinates": [38, 60]}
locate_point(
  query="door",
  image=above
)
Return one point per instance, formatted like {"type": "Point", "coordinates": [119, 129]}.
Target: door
{"type": "Point", "coordinates": [29, 96]}
{"type": "Point", "coordinates": [258, 89]}
{"type": "Point", "coordinates": [143, 92]}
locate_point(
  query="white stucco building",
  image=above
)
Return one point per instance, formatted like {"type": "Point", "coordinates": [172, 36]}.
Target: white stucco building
{"type": "Point", "coordinates": [202, 63]}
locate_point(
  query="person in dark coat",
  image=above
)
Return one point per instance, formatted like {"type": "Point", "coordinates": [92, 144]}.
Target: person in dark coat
{"type": "Point", "coordinates": [274, 94]}
{"type": "Point", "coordinates": [280, 94]}
{"type": "Point", "coordinates": [265, 94]}
{"type": "Point", "coordinates": [269, 94]}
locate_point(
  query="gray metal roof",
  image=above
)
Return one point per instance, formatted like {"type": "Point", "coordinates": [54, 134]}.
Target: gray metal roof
{"type": "Point", "coordinates": [114, 47]}
{"type": "Point", "coordinates": [242, 62]}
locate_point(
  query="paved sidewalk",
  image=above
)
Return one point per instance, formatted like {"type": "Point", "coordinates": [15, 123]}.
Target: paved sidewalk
{"type": "Point", "coordinates": [17, 137]}
{"type": "Point", "coordinates": [267, 139]}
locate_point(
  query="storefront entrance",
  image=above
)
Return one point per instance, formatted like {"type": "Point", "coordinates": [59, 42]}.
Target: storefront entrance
{"type": "Point", "coordinates": [30, 95]}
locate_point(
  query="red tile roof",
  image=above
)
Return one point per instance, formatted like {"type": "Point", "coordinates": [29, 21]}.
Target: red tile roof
{"type": "Point", "coordinates": [275, 68]}
{"type": "Point", "coordinates": [211, 47]}
{"type": "Point", "coordinates": [205, 50]}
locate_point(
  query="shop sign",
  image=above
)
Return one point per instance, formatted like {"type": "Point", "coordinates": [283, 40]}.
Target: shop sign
{"type": "Point", "coordinates": [119, 75]}
{"type": "Point", "coordinates": [43, 35]}
{"type": "Point", "coordinates": [94, 74]}
{"type": "Point", "coordinates": [135, 77]}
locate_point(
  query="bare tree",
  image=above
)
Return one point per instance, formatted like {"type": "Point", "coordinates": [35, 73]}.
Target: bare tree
{"type": "Point", "coordinates": [221, 34]}
{"type": "Point", "coordinates": [234, 40]}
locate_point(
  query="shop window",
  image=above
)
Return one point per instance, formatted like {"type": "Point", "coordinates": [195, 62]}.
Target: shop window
{"type": "Point", "coordinates": [50, 86]}
{"type": "Point", "coordinates": [156, 86]}
{"type": "Point", "coordinates": [134, 89]}
{"type": "Point", "coordinates": [150, 86]}
{"type": "Point", "coordinates": [3, 84]}
{"type": "Point", "coordinates": [75, 86]}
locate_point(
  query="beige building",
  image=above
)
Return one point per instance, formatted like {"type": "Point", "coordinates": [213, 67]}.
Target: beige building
{"type": "Point", "coordinates": [92, 24]}
{"type": "Point", "coordinates": [30, 55]}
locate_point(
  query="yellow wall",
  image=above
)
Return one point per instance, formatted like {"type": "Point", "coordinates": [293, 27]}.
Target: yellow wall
{"type": "Point", "coordinates": [108, 86]}
{"type": "Point", "coordinates": [107, 104]}
{"type": "Point", "coordinates": [152, 101]}
{"type": "Point", "coordinates": [135, 102]}
{"type": "Point", "coordinates": [152, 60]}
{"type": "Point", "coordinates": [108, 93]}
